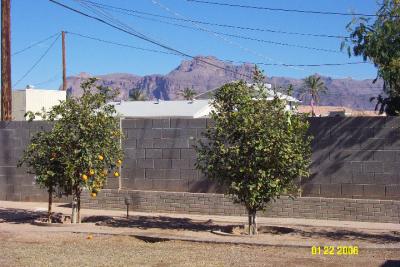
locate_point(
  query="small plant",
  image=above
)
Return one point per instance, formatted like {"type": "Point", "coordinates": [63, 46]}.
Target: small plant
{"type": "Point", "coordinates": [255, 149]}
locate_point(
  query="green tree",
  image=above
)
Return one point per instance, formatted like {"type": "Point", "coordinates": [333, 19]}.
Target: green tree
{"type": "Point", "coordinates": [313, 86]}
{"type": "Point", "coordinates": [137, 95]}
{"type": "Point", "coordinates": [378, 41]}
{"type": "Point", "coordinates": [255, 149]}
{"type": "Point", "coordinates": [188, 94]}
{"type": "Point", "coordinates": [86, 136]}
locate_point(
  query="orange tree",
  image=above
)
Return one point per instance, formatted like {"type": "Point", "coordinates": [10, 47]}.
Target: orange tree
{"type": "Point", "coordinates": [87, 134]}
{"type": "Point", "coordinates": [256, 148]}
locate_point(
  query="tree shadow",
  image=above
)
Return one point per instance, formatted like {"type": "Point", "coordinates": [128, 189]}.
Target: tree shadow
{"type": "Point", "coordinates": [391, 263]}
{"type": "Point", "coordinates": [19, 216]}
{"type": "Point", "coordinates": [352, 151]}
{"type": "Point", "coordinates": [161, 222]}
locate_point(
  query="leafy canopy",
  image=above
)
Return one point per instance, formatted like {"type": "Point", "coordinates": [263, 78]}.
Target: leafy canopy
{"type": "Point", "coordinates": [188, 94]}
{"type": "Point", "coordinates": [84, 143]}
{"type": "Point", "coordinates": [379, 42]}
{"type": "Point", "coordinates": [256, 148]}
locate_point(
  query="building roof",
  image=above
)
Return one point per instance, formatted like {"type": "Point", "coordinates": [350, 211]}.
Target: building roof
{"type": "Point", "coordinates": [181, 108]}
{"type": "Point", "coordinates": [324, 111]}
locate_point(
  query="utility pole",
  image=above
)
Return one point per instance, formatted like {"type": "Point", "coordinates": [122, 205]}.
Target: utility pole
{"type": "Point", "coordinates": [64, 85]}
{"type": "Point", "coordinates": [5, 61]}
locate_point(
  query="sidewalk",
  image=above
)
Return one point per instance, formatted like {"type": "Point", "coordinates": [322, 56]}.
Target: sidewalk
{"type": "Point", "coordinates": [57, 207]}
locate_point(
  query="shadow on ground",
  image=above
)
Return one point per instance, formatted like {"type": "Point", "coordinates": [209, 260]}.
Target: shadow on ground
{"type": "Point", "coordinates": [19, 215]}
{"type": "Point", "coordinates": [161, 222]}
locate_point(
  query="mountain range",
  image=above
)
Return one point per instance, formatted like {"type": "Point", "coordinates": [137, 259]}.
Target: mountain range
{"type": "Point", "coordinates": [203, 77]}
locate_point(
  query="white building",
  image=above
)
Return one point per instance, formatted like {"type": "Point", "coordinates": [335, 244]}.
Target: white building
{"type": "Point", "coordinates": [178, 108]}
{"type": "Point", "coordinates": [34, 100]}
{"type": "Point", "coordinates": [198, 108]}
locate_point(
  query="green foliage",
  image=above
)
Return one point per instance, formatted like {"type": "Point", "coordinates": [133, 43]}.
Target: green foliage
{"type": "Point", "coordinates": [379, 42]}
{"type": "Point", "coordinates": [42, 159]}
{"type": "Point", "coordinates": [188, 94]}
{"type": "Point", "coordinates": [256, 149]}
{"type": "Point", "coordinates": [83, 146]}
{"type": "Point", "coordinates": [137, 95]}
{"type": "Point", "coordinates": [313, 86]}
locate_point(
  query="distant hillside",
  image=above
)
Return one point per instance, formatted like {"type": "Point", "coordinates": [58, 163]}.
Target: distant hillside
{"type": "Point", "coordinates": [203, 77]}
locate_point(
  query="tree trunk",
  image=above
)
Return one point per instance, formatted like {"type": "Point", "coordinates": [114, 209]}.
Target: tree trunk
{"type": "Point", "coordinates": [252, 222]}
{"type": "Point", "coordinates": [78, 200]}
{"type": "Point", "coordinates": [255, 231]}
{"type": "Point", "coordinates": [74, 211]}
{"type": "Point", "coordinates": [50, 204]}
{"type": "Point", "coordinates": [312, 108]}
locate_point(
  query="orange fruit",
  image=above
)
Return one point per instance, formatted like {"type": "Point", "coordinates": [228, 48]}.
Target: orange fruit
{"type": "Point", "coordinates": [100, 157]}
{"type": "Point", "coordinates": [119, 162]}
{"type": "Point", "coordinates": [84, 177]}
{"type": "Point", "coordinates": [93, 194]}
{"type": "Point", "coordinates": [116, 174]}
{"type": "Point", "coordinates": [90, 236]}
{"type": "Point", "coordinates": [91, 171]}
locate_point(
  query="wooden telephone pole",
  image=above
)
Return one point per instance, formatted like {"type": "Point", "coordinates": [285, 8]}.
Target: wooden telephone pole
{"type": "Point", "coordinates": [64, 85]}
{"type": "Point", "coordinates": [6, 97]}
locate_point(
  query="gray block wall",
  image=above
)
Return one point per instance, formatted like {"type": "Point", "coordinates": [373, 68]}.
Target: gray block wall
{"type": "Point", "coordinates": [15, 183]}
{"type": "Point", "coordinates": [352, 157]}
{"type": "Point", "coordinates": [386, 211]}
{"type": "Point", "coordinates": [356, 158]}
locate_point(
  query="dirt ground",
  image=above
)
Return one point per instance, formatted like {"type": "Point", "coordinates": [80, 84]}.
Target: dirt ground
{"type": "Point", "coordinates": [107, 240]}
{"type": "Point", "coordinates": [69, 249]}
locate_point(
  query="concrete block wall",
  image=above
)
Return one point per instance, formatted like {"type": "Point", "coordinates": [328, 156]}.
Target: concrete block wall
{"type": "Point", "coordinates": [355, 158]}
{"type": "Point", "coordinates": [386, 211]}
{"type": "Point", "coordinates": [352, 157]}
{"type": "Point", "coordinates": [159, 155]}
{"type": "Point", "coordinates": [15, 183]}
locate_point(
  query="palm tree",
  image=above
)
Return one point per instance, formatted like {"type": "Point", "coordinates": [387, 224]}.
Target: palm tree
{"type": "Point", "coordinates": [313, 86]}
{"type": "Point", "coordinates": [188, 94]}
{"type": "Point", "coordinates": [137, 95]}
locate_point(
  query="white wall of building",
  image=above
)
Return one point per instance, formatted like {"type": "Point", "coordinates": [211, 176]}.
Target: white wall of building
{"type": "Point", "coordinates": [34, 100]}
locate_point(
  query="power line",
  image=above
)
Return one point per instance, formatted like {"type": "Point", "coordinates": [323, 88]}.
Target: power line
{"type": "Point", "coordinates": [242, 37]}
{"type": "Point", "coordinates": [38, 61]}
{"type": "Point", "coordinates": [131, 12]}
{"type": "Point", "coordinates": [52, 79]}
{"type": "Point", "coordinates": [231, 61]}
{"type": "Point", "coordinates": [34, 44]}
{"type": "Point", "coordinates": [119, 44]}
{"type": "Point", "coordinates": [145, 38]}
{"type": "Point", "coordinates": [220, 37]}
{"type": "Point", "coordinates": [282, 9]}
{"type": "Point", "coordinates": [312, 65]}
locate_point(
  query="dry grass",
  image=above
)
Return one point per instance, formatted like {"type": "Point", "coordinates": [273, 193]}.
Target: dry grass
{"type": "Point", "coordinates": [66, 249]}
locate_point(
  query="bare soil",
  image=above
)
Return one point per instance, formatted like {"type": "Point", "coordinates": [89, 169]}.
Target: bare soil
{"type": "Point", "coordinates": [68, 249]}
{"type": "Point", "coordinates": [106, 241]}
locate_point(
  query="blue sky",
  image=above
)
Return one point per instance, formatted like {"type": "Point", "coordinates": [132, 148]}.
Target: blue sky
{"type": "Point", "coordinates": [33, 20]}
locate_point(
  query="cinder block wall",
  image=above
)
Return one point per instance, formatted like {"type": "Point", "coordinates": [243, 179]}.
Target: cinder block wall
{"type": "Point", "coordinates": [15, 183]}
{"type": "Point", "coordinates": [352, 158]}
